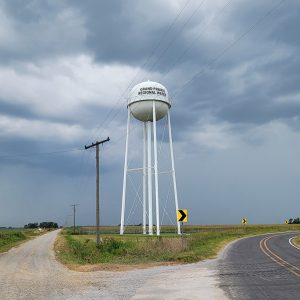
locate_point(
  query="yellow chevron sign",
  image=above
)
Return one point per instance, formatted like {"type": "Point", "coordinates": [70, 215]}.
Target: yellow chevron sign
{"type": "Point", "coordinates": [182, 215]}
{"type": "Point", "coordinates": [244, 221]}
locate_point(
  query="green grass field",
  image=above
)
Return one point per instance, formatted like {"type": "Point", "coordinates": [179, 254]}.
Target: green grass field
{"type": "Point", "coordinates": [198, 243]}
{"type": "Point", "coordinates": [13, 237]}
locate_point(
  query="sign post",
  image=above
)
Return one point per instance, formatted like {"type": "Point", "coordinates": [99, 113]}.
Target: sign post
{"type": "Point", "coordinates": [244, 221]}
{"type": "Point", "coordinates": [182, 216]}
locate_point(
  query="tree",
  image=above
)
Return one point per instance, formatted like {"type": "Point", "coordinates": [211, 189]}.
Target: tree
{"type": "Point", "coordinates": [31, 225]}
{"type": "Point", "coordinates": [296, 221]}
{"type": "Point", "coordinates": [48, 225]}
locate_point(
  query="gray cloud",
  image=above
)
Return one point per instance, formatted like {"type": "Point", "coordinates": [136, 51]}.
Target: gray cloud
{"type": "Point", "coordinates": [65, 65]}
{"type": "Point", "coordinates": [34, 30]}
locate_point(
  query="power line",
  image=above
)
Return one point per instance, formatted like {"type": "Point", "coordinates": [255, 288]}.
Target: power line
{"type": "Point", "coordinates": [230, 46]}
{"type": "Point", "coordinates": [224, 51]}
{"type": "Point", "coordinates": [161, 54]}
{"type": "Point", "coordinates": [174, 39]}
{"type": "Point", "coordinates": [120, 99]}
{"type": "Point", "coordinates": [177, 60]}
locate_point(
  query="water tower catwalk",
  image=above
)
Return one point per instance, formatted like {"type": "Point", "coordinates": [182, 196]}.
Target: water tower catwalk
{"type": "Point", "coordinates": [149, 102]}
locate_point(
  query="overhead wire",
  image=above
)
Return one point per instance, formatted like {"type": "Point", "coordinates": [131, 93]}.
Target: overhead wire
{"type": "Point", "coordinates": [120, 99]}
{"type": "Point", "coordinates": [195, 76]}
{"type": "Point", "coordinates": [212, 61]}
{"type": "Point", "coordinates": [225, 50]}
{"type": "Point", "coordinates": [176, 36]}
{"type": "Point", "coordinates": [229, 47]}
{"type": "Point", "coordinates": [164, 50]}
{"type": "Point", "coordinates": [237, 40]}
{"type": "Point", "coordinates": [192, 44]}
{"type": "Point", "coordinates": [168, 46]}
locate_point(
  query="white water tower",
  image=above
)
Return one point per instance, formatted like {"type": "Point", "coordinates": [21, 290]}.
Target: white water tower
{"type": "Point", "coordinates": [149, 102]}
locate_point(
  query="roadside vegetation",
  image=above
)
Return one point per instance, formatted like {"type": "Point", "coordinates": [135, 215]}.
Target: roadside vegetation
{"type": "Point", "coordinates": [198, 243]}
{"type": "Point", "coordinates": [13, 237]}
{"type": "Point", "coordinates": [296, 241]}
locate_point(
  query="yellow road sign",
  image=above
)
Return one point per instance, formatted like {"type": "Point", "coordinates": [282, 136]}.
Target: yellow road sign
{"type": "Point", "coordinates": [286, 222]}
{"type": "Point", "coordinates": [244, 221]}
{"type": "Point", "coordinates": [182, 215]}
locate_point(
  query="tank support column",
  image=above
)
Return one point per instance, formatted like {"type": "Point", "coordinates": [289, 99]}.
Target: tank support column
{"type": "Point", "coordinates": [155, 171]}
{"type": "Point", "coordinates": [173, 170]}
{"type": "Point", "coordinates": [125, 175]}
{"type": "Point", "coordinates": [144, 178]}
{"type": "Point", "coordinates": [149, 177]}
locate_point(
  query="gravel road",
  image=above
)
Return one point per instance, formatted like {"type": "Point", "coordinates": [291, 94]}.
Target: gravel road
{"type": "Point", "coordinates": [30, 271]}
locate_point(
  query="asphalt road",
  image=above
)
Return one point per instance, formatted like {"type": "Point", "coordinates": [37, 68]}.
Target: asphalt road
{"type": "Point", "coordinates": [261, 267]}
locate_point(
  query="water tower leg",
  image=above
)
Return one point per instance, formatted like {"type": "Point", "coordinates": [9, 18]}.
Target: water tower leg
{"type": "Point", "coordinates": [125, 175]}
{"type": "Point", "coordinates": [144, 178]}
{"type": "Point", "coordinates": [149, 178]}
{"type": "Point", "coordinates": [173, 170]}
{"type": "Point", "coordinates": [155, 171]}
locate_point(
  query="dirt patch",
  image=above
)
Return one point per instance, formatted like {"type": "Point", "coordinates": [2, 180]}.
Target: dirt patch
{"type": "Point", "coordinates": [117, 267]}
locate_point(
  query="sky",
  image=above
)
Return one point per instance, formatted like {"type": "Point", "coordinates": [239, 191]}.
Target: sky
{"type": "Point", "coordinates": [232, 70]}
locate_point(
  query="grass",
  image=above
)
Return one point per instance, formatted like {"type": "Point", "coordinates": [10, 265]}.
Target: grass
{"type": "Point", "coordinates": [200, 242]}
{"type": "Point", "coordinates": [296, 241]}
{"type": "Point", "coordinates": [13, 237]}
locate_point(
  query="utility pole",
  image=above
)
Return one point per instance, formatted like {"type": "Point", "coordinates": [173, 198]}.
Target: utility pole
{"type": "Point", "coordinates": [74, 213]}
{"type": "Point", "coordinates": [97, 184]}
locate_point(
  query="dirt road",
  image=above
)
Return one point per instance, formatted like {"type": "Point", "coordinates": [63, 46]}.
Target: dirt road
{"type": "Point", "coordinates": [30, 271]}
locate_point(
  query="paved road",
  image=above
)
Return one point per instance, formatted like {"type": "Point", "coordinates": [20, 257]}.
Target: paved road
{"type": "Point", "coordinates": [261, 267]}
{"type": "Point", "coordinates": [30, 271]}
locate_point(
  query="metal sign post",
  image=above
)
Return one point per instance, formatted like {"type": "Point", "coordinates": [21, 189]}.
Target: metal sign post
{"type": "Point", "coordinates": [182, 216]}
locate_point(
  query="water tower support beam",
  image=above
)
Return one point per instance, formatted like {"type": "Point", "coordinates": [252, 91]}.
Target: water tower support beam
{"type": "Point", "coordinates": [144, 178]}
{"type": "Point", "coordinates": [155, 171]}
{"type": "Point", "coordinates": [125, 175]}
{"type": "Point", "coordinates": [149, 178]}
{"type": "Point", "coordinates": [173, 170]}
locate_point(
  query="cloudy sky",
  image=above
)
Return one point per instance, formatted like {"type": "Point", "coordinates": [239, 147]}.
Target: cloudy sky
{"type": "Point", "coordinates": [232, 69]}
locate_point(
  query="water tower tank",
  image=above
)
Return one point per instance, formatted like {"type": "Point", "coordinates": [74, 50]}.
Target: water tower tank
{"type": "Point", "coordinates": [141, 99]}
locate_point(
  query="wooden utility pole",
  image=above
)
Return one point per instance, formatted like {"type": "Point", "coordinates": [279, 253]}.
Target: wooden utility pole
{"type": "Point", "coordinates": [97, 185]}
{"type": "Point", "coordinates": [74, 213]}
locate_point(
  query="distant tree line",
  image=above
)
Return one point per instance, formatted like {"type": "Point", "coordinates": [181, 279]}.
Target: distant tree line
{"type": "Point", "coordinates": [41, 225]}
{"type": "Point", "coordinates": [294, 221]}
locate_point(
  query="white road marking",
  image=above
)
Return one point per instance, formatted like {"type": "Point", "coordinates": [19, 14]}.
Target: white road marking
{"type": "Point", "coordinates": [292, 244]}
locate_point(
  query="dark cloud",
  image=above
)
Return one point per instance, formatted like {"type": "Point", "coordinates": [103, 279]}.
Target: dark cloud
{"type": "Point", "coordinates": [12, 109]}
{"type": "Point", "coordinates": [217, 69]}
{"type": "Point", "coordinates": [36, 30]}
{"type": "Point", "coordinates": [120, 33]}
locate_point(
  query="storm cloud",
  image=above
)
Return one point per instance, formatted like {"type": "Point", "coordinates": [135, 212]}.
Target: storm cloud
{"type": "Point", "coordinates": [232, 69]}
